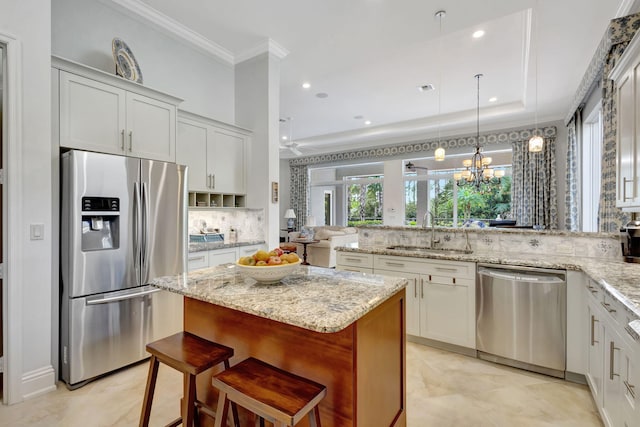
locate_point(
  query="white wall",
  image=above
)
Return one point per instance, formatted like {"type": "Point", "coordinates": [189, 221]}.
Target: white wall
{"type": "Point", "coordinates": [28, 346]}
{"type": "Point", "coordinates": [257, 108]}
{"type": "Point", "coordinates": [393, 213]}
{"type": "Point", "coordinates": [82, 30]}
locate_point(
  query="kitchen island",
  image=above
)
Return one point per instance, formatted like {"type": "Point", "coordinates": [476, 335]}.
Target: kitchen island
{"type": "Point", "coordinates": [344, 330]}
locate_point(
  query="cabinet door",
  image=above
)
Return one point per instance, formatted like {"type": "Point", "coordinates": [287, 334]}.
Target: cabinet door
{"type": "Point", "coordinates": [191, 150]}
{"type": "Point", "coordinates": [612, 384]}
{"type": "Point", "coordinates": [226, 161]}
{"type": "Point", "coordinates": [625, 161]}
{"type": "Point", "coordinates": [151, 128]}
{"type": "Point", "coordinates": [447, 311]}
{"type": "Point", "coordinates": [414, 295]}
{"type": "Point", "coordinates": [595, 354]}
{"type": "Point", "coordinates": [197, 260]}
{"type": "Point", "coordinates": [92, 115]}
{"type": "Point", "coordinates": [630, 355]}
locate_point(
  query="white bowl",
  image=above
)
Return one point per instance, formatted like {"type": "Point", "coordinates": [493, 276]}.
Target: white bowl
{"type": "Point", "coordinates": [268, 274]}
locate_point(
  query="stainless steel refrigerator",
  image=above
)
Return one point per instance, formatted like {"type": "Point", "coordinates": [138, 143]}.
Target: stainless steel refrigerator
{"type": "Point", "coordinates": [123, 222]}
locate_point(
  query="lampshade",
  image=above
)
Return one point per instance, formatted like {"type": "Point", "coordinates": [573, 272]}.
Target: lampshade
{"type": "Point", "coordinates": [311, 221]}
{"type": "Point", "coordinates": [439, 154]}
{"type": "Point", "coordinates": [499, 173]}
{"type": "Point", "coordinates": [289, 214]}
{"type": "Point", "coordinates": [535, 144]}
{"type": "Point", "coordinates": [457, 176]}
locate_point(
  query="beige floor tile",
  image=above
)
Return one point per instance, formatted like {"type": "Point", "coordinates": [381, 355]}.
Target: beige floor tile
{"type": "Point", "coordinates": [443, 389]}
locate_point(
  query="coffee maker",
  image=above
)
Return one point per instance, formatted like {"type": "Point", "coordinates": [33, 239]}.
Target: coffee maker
{"type": "Point", "coordinates": [630, 239]}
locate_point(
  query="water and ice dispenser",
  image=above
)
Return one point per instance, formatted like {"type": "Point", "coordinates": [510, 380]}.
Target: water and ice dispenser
{"type": "Point", "coordinates": [100, 223]}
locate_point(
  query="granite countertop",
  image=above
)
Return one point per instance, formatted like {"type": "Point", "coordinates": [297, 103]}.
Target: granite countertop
{"type": "Point", "coordinates": [208, 246]}
{"type": "Point", "coordinates": [618, 278]}
{"type": "Point", "coordinates": [314, 298]}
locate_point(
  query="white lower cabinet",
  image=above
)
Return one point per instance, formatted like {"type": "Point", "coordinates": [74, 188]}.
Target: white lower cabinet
{"type": "Point", "coordinates": [613, 358]}
{"type": "Point", "coordinates": [204, 259]}
{"type": "Point", "coordinates": [440, 297]}
{"type": "Point", "coordinates": [351, 261]}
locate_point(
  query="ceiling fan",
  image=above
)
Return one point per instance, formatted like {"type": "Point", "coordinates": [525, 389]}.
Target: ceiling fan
{"type": "Point", "coordinates": [286, 142]}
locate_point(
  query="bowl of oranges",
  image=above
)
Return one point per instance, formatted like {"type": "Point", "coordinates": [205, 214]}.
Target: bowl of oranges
{"type": "Point", "coordinates": [268, 267]}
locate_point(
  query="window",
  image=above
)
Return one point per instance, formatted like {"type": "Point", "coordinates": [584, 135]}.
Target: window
{"type": "Point", "coordinates": [591, 159]}
{"type": "Point", "coordinates": [451, 205]}
{"type": "Point", "coordinates": [364, 200]}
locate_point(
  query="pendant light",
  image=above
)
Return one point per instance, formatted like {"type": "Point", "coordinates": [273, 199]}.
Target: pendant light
{"type": "Point", "coordinates": [477, 170]}
{"type": "Point", "coordinates": [439, 153]}
{"type": "Point", "coordinates": [536, 142]}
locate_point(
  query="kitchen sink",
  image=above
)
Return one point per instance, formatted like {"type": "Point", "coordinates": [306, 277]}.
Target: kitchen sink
{"type": "Point", "coordinates": [425, 249]}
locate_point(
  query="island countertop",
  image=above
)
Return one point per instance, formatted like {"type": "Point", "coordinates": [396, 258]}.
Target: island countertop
{"type": "Point", "coordinates": [313, 298]}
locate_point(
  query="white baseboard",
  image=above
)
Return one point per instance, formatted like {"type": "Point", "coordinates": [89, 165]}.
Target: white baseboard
{"type": "Point", "coordinates": [38, 382]}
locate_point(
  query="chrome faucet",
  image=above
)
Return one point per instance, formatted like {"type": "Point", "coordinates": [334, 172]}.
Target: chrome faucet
{"type": "Point", "coordinates": [467, 245]}
{"type": "Point", "coordinates": [433, 230]}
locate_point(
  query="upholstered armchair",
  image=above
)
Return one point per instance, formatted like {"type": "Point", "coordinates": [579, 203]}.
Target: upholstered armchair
{"type": "Point", "coordinates": [323, 253]}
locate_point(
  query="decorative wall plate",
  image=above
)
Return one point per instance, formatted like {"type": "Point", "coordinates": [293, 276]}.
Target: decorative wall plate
{"type": "Point", "coordinates": [126, 64]}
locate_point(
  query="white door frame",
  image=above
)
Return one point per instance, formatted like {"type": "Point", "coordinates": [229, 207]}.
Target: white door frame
{"type": "Point", "coordinates": [11, 219]}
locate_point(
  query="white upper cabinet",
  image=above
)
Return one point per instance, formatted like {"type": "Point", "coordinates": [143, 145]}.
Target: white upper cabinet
{"type": "Point", "coordinates": [626, 75]}
{"type": "Point", "coordinates": [104, 113]}
{"type": "Point", "coordinates": [214, 152]}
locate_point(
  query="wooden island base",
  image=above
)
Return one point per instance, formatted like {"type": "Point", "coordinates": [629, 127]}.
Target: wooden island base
{"type": "Point", "coordinates": [363, 366]}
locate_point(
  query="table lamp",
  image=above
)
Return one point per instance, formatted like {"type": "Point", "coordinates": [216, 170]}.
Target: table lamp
{"type": "Point", "coordinates": [290, 216]}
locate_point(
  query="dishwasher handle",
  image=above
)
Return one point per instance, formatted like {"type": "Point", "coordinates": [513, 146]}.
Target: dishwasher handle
{"type": "Point", "coordinates": [520, 276]}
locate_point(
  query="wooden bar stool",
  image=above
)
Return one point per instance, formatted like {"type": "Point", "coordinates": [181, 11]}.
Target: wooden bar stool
{"type": "Point", "coordinates": [271, 393]}
{"type": "Point", "coordinates": [190, 355]}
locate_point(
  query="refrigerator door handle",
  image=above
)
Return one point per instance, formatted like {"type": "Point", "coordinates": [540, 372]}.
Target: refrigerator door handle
{"type": "Point", "coordinates": [107, 300]}
{"type": "Point", "coordinates": [145, 232]}
{"type": "Point", "coordinates": [137, 214]}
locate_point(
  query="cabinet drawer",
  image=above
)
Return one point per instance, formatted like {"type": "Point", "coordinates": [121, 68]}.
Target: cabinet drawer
{"type": "Point", "coordinates": [354, 268]}
{"type": "Point", "coordinates": [397, 263]}
{"type": "Point", "coordinates": [248, 250]}
{"type": "Point", "coordinates": [197, 260]}
{"type": "Point", "coordinates": [354, 259]}
{"type": "Point", "coordinates": [451, 281]}
{"type": "Point", "coordinates": [222, 256]}
{"type": "Point", "coordinates": [457, 269]}
{"type": "Point", "coordinates": [608, 304]}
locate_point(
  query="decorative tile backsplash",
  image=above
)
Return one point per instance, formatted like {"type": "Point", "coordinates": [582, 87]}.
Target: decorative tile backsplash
{"type": "Point", "coordinates": [248, 223]}
{"type": "Point", "coordinates": [592, 245]}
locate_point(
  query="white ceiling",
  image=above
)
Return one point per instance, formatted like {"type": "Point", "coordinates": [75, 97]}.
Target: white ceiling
{"type": "Point", "coordinates": [370, 56]}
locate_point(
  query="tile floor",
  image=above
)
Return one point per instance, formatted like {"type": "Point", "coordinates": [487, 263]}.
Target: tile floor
{"type": "Point", "coordinates": [443, 389]}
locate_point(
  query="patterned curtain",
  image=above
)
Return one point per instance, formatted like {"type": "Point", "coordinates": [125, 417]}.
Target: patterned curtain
{"type": "Point", "coordinates": [571, 200]}
{"type": "Point", "coordinates": [299, 193]}
{"type": "Point", "coordinates": [533, 186]}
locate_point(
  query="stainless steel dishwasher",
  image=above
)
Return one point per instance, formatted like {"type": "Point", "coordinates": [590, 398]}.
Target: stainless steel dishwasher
{"type": "Point", "coordinates": [521, 317]}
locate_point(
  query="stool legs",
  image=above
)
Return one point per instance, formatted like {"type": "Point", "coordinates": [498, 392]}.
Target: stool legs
{"type": "Point", "coordinates": [222, 410]}
{"type": "Point", "coordinates": [188, 400]}
{"type": "Point", "coordinates": [148, 392]}
{"type": "Point", "coordinates": [314, 417]}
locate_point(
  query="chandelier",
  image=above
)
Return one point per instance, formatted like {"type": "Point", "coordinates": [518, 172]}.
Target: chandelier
{"type": "Point", "coordinates": [477, 170]}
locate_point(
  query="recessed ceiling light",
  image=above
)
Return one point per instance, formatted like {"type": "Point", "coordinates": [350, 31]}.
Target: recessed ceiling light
{"type": "Point", "coordinates": [284, 138]}
{"type": "Point", "coordinates": [493, 99]}
{"type": "Point", "coordinates": [367, 122]}
{"type": "Point", "coordinates": [426, 88]}
{"type": "Point", "coordinates": [478, 34]}
{"type": "Point", "coordinates": [358, 117]}
{"type": "Point", "coordinates": [306, 85]}
{"type": "Point", "coordinates": [322, 95]}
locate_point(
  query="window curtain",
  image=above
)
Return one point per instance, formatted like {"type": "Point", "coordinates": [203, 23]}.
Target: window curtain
{"type": "Point", "coordinates": [533, 185]}
{"type": "Point", "coordinates": [299, 193]}
{"type": "Point", "coordinates": [572, 200]}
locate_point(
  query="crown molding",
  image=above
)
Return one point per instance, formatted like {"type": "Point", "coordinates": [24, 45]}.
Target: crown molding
{"type": "Point", "coordinates": [266, 46]}
{"type": "Point", "coordinates": [175, 29]}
